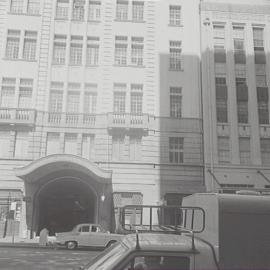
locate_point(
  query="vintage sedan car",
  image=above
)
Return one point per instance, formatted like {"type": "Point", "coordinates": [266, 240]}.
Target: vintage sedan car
{"type": "Point", "coordinates": [87, 235]}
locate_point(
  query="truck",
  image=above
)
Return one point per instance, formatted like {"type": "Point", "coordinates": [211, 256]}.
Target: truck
{"type": "Point", "coordinates": [210, 231]}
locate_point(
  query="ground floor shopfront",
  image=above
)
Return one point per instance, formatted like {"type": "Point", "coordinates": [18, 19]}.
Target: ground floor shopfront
{"type": "Point", "coordinates": [59, 191]}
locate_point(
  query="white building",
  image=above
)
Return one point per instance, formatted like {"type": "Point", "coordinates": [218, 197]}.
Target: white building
{"type": "Point", "coordinates": [99, 107]}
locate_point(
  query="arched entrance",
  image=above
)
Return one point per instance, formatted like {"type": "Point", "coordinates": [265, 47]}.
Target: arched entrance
{"type": "Point", "coordinates": [64, 190]}
{"type": "Point", "coordinates": [64, 202]}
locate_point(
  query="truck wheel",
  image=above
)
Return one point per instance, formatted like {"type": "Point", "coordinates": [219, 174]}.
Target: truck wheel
{"type": "Point", "coordinates": [110, 243]}
{"type": "Point", "coordinates": [71, 245]}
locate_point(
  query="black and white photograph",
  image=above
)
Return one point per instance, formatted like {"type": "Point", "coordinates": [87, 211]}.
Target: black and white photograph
{"type": "Point", "coordinates": [134, 135]}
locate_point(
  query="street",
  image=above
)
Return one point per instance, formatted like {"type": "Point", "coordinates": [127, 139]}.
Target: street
{"type": "Point", "coordinates": [42, 258]}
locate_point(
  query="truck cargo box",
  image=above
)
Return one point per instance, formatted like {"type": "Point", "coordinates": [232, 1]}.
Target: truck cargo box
{"type": "Point", "coordinates": [238, 226]}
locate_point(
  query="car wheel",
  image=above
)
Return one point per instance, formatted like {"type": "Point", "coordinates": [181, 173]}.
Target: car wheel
{"type": "Point", "coordinates": [71, 245]}
{"type": "Point", "coordinates": [110, 243]}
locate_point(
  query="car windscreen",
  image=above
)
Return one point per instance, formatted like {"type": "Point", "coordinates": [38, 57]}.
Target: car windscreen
{"type": "Point", "coordinates": [107, 257]}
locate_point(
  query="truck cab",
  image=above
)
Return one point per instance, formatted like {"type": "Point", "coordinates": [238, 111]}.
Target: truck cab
{"type": "Point", "coordinates": [210, 231]}
{"type": "Point", "coordinates": [173, 252]}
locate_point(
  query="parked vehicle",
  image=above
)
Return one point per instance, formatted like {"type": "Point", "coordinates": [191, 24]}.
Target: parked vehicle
{"type": "Point", "coordinates": [217, 232]}
{"type": "Point", "coordinates": [87, 235]}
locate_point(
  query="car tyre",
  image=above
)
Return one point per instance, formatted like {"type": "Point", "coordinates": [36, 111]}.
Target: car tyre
{"type": "Point", "coordinates": [110, 243]}
{"type": "Point", "coordinates": [71, 245]}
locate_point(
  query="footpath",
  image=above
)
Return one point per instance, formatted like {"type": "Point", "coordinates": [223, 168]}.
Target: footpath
{"type": "Point", "coordinates": [24, 242]}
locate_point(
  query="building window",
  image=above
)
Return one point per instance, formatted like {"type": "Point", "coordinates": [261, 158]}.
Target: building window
{"type": "Point", "coordinates": [244, 150]}
{"type": "Point", "coordinates": [90, 99]}
{"type": "Point", "coordinates": [175, 15]}
{"type": "Point", "coordinates": [135, 148]}
{"type": "Point", "coordinates": [92, 51]}
{"type": "Point", "coordinates": [175, 55]}
{"type": "Point", "coordinates": [94, 10]}
{"type": "Point", "coordinates": [258, 39]}
{"type": "Point", "coordinates": [219, 36]}
{"type": "Point", "coordinates": [137, 11]}
{"type": "Point", "coordinates": [260, 71]}
{"type": "Point", "coordinates": [118, 147]}
{"type": "Point", "coordinates": [8, 92]}
{"type": "Point", "coordinates": [53, 143]}
{"type": "Point", "coordinates": [33, 6]}
{"type": "Point", "coordinates": [176, 102]}
{"type": "Point", "coordinates": [136, 98]}
{"type": "Point", "coordinates": [71, 145]}
{"type": "Point", "coordinates": [56, 97]}
{"type": "Point", "coordinates": [88, 143]}
{"type": "Point", "coordinates": [137, 51]}
{"type": "Point", "coordinates": [75, 57]}
{"type": "Point", "coordinates": [224, 153]}
{"type": "Point", "coordinates": [59, 49]}
{"type": "Point", "coordinates": [219, 43]}
{"type": "Point", "coordinates": [62, 9]}
{"type": "Point", "coordinates": [122, 10]}
{"type": "Point", "coordinates": [242, 100]}
{"type": "Point", "coordinates": [119, 102]}
{"type": "Point", "coordinates": [25, 93]}
{"type": "Point", "coordinates": [221, 100]}
{"type": "Point", "coordinates": [21, 144]}
{"type": "Point", "coordinates": [176, 150]}
{"type": "Point", "coordinates": [265, 151]}
{"type": "Point", "coordinates": [16, 6]}
{"type": "Point", "coordinates": [30, 43]}
{"type": "Point", "coordinates": [78, 10]}
{"type": "Point", "coordinates": [263, 109]}
{"type": "Point", "coordinates": [73, 102]}
{"type": "Point", "coordinates": [4, 144]}
{"type": "Point", "coordinates": [239, 44]}
{"type": "Point", "coordinates": [13, 44]}
{"type": "Point", "coordinates": [238, 38]}
{"type": "Point", "coordinates": [120, 57]}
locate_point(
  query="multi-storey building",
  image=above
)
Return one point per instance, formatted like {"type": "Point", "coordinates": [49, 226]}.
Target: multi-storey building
{"type": "Point", "coordinates": [99, 107]}
{"type": "Point", "coordinates": [235, 91]}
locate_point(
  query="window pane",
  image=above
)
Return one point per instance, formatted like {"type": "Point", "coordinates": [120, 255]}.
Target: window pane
{"type": "Point", "coordinates": [137, 10]}
{"type": "Point", "coordinates": [53, 143]}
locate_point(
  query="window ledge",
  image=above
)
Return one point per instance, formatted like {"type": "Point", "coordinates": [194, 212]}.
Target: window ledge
{"type": "Point", "coordinates": [91, 66]}
{"type": "Point", "coordinates": [75, 65]}
{"type": "Point", "coordinates": [24, 14]}
{"type": "Point", "coordinates": [77, 21]}
{"type": "Point", "coordinates": [19, 59]}
{"type": "Point", "coordinates": [58, 65]}
{"type": "Point", "coordinates": [176, 70]}
{"type": "Point", "coordinates": [93, 21]}
{"type": "Point", "coordinates": [132, 66]}
{"type": "Point", "coordinates": [131, 21]}
{"type": "Point", "coordinates": [176, 25]}
{"type": "Point", "coordinates": [61, 19]}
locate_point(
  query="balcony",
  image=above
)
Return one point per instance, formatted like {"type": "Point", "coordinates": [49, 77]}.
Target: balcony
{"type": "Point", "coordinates": [128, 121]}
{"type": "Point", "coordinates": [17, 116]}
{"type": "Point", "coordinates": [78, 120]}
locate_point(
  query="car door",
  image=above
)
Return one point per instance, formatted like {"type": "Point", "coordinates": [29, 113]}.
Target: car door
{"type": "Point", "coordinates": [84, 235]}
{"type": "Point", "coordinates": [97, 237]}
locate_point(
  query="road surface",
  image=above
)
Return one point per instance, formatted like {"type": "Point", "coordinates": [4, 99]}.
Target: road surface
{"type": "Point", "coordinates": [42, 258]}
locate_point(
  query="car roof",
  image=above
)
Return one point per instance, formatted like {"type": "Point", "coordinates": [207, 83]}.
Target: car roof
{"type": "Point", "coordinates": [85, 224]}
{"type": "Point", "coordinates": [160, 242]}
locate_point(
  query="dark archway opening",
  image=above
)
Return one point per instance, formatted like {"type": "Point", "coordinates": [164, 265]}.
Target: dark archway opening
{"type": "Point", "coordinates": [63, 203]}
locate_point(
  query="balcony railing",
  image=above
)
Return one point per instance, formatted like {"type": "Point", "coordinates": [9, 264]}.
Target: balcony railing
{"type": "Point", "coordinates": [128, 121]}
{"type": "Point", "coordinates": [17, 116]}
{"type": "Point", "coordinates": [70, 119]}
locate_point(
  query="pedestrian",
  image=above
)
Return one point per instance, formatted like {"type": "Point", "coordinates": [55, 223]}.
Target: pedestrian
{"type": "Point", "coordinates": [43, 237]}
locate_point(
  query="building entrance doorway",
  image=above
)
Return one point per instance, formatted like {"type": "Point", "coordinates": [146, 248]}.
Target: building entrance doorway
{"type": "Point", "coordinates": [64, 203]}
